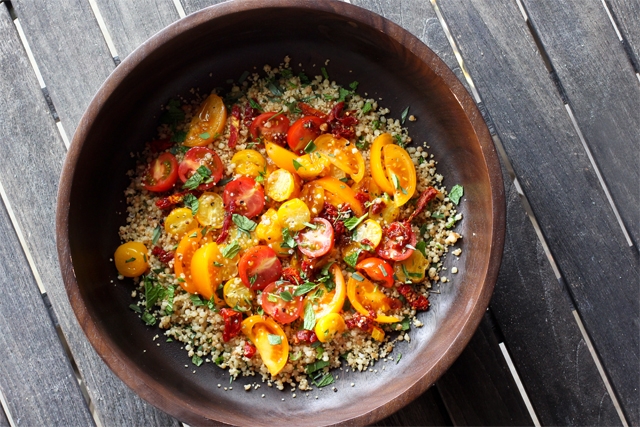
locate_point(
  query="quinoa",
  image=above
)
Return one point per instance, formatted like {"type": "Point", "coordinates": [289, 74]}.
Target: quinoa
{"type": "Point", "coordinates": [198, 324]}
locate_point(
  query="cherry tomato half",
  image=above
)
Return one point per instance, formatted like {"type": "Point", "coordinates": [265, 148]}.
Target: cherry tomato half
{"type": "Point", "coordinates": [278, 302]}
{"type": "Point", "coordinates": [247, 194]}
{"type": "Point", "coordinates": [274, 354]}
{"type": "Point", "coordinates": [317, 240]}
{"type": "Point", "coordinates": [302, 131]}
{"type": "Point", "coordinates": [259, 266]}
{"type": "Point", "coordinates": [395, 238]}
{"type": "Point", "coordinates": [378, 270]}
{"type": "Point", "coordinates": [162, 173]}
{"type": "Point", "coordinates": [201, 156]}
{"type": "Point", "coordinates": [271, 126]}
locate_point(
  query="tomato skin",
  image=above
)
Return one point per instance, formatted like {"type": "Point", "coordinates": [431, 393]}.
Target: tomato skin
{"type": "Point", "coordinates": [247, 195]}
{"type": "Point", "coordinates": [232, 323]}
{"type": "Point", "coordinates": [318, 242]}
{"type": "Point", "coordinates": [257, 329]}
{"type": "Point", "coordinates": [249, 350]}
{"type": "Point", "coordinates": [131, 259]}
{"type": "Point", "coordinates": [259, 266]}
{"type": "Point", "coordinates": [369, 300]}
{"type": "Point", "coordinates": [396, 236]}
{"type": "Point", "coordinates": [333, 301]}
{"type": "Point", "coordinates": [374, 268]}
{"type": "Point", "coordinates": [210, 119]}
{"type": "Point", "coordinates": [302, 131]}
{"type": "Point", "coordinates": [161, 174]}
{"type": "Point", "coordinates": [277, 307]}
{"type": "Point", "coordinates": [272, 129]}
{"type": "Point", "coordinates": [201, 156]}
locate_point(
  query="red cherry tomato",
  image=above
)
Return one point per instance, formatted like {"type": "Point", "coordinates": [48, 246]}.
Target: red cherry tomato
{"type": "Point", "coordinates": [271, 126]}
{"type": "Point", "coordinates": [259, 266]}
{"type": "Point", "coordinates": [278, 302]}
{"type": "Point", "coordinates": [315, 242]}
{"type": "Point", "coordinates": [395, 238]}
{"type": "Point", "coordinates": [302, 131]}
{"type": "Point", "coordinates": [247, 195]}
{"type": "Point", "coordinates": [378, 270]}
{"type": "Point", "coordinates": [201, 156]}
{"type": "Point", "coordinates": [162, 173]}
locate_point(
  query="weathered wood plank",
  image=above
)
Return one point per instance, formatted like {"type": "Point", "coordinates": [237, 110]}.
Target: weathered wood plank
{"type": "Point", "coordinates": [626, 13]}
{"type": "Point", "coordinates": [4, 421]}
{"type": "Point", "coordinates": [37, 147]}
{"type": "Point", "coordinates": [548, 158]}
{"type": "Point", "coordinates": [36, 377]}
{"type": "Point", "coordinates": [131, 23]}
{"type": "Point", "coordinates": [191, 6]}
{"type": "Point", "coordinates": [602, 90]}
{"type": "Point", "coordinates": [426, 410]}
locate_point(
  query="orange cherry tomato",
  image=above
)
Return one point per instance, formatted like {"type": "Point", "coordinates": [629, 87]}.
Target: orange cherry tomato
{"type": "Point", "coordinates": [375, 158]}
{"type": "Point", "coordinates": [270, 126]}
{"type": "Point", "coordinates": [259, 266]}
{"type": "Point", "coordinates": [182, 260]}
{"type": "Point", "coordinates": [302, 131]}
{"type": "Point", "coordinates": [282, 157]}
{"type": "Point", "coordinates": [277, 301]}
{"type": "Point", "coordinates": [197, 157]}
{"type": "Point", "coordinates": [162, 173]}
{"type": "Point", "coordinates": [206, 270]}
{"type": "Point", "coordinates": [329, 326]}
{"type": "Point", "coordinates": [313, 195]}
{"type": "Point", "coordinates": [378, 270]}
{"type": "Point", "coordinates": [330, 301]}
{"type": "Point", "coordinates": [401, 173]}
{"type": "Point", "coordinates": [341, 191]}
{"type": "Point", "coordinates": [343, 154]}
{"type": "Point", "coordinates": [262, 332]}
{"type": "Point", "coordinates": [316, 241]}
{"type": "Point", "coordinates": [131, 259]}
{"type": "Point", "coordinates": [208, 123]}
{"type": "Point", "coordinates": [366, 298]}
{"type": "Point", "coordinates": [247, 195]}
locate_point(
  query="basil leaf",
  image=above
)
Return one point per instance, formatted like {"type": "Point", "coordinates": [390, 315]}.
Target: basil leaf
{"type": "Point", "coordinates": [254, 104]}
{"type": "Point", "coordinates": [152, 292]}
{"type": "Point", "coordinates": [309, 317]}
{"type": "Point", "coordinates": [403, 115]}
{"type": "Point", "coordinates": [231, 250]}
{"type": "Point", "coordinates": [196, 360]}
{"type": "Point", "coordinates": [286, 296]}
{"type": "Point", "coordinates": [244, 223]}
{"type": "Point", "coordinates": [326, 380]}
{"type": "Point", "coordinates": [296, 165]}
{"type": "Point", "coordinates": [304, 288]}
{"type": "Point", "coordinates": [353, 222]}
{"type": "Point", "coordinates": [456, 193]}
{"type": "Point", "coordinates": [422, 247]}
{"type": "Point", "coordinates": [315, 366]}
{"type": "Point", "coordinates": [310, 148]}
{"type": "Point", "coordinates": [287, 240]}
{"type": "Point", "coordinates": [149, 318]}
{"type": "Point", "coordinates": [352, 258]}
{"type": "Point", "coordinates": [157, 232]}
{"type": "Point", "coordinates": [191, 202]}
{"type": "Point", "coordinates": [274, 339]}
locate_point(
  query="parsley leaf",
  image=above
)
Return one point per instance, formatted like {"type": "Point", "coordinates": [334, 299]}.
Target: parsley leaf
{"type": "Point", "coordinates": [191, 202]}
{"type": "Point", "coordinates": [353, 222]}
{"type": "Point", "coordinates": [244, 224]}
{"type": "Point", "coordinates": [309, 317]}
{"type": "Point", "coordinates": [403, 115]}
{"type": "Point", "coordinates": [196, 360]}
{"type": "Point", "coordinates": [343, 93]}
{"type": "Point", "coordinates": [457, 191]}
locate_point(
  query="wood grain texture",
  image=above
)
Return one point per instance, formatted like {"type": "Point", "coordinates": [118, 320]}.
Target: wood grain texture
{"type": "Point", "coordinates": [626, 13]}
{"type": "Point", "coordinates": [602, 90]}
{"type": "Point", "coordinates": [36, 377]}
{"type": "Point", "coordinates": [70, 51]}
{"type": "Point", "coordinates": [547, 156]}
{"type": "Point", "coordinates": [131, 23]}
{"type": "Point", "coordinates": [36, 146]}
{"type": "Point", "coordinates": [191, 6]}
{"type": "Point", "coordinates": [427, 410]}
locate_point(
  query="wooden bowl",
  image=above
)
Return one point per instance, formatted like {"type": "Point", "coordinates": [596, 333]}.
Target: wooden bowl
{"type": "Point", "coordinates": [204, 50]}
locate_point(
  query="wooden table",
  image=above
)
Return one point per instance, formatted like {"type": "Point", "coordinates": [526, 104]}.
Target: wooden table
{"type": "Point", "coordinates": [558, 84]}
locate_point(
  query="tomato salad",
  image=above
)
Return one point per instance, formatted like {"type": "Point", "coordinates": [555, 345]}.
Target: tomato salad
{"type": "Point", "coordinates": [285, 227]}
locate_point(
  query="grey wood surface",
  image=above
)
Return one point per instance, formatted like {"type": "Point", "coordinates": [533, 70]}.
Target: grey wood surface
{"type": "Point", "coordinates": [626, 14]}
{"type": "Point", "coordinates": [36, 378]}
{"type": "Point", "coordinates": [548, 158]}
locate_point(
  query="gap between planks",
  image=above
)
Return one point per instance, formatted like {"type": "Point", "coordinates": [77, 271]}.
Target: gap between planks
{"type": "Point", "coordinates": [532, 217]}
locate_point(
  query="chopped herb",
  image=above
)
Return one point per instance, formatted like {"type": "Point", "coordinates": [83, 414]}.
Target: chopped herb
{"type": "Point", "coordinates": [421, 160]}
{"type": "Point", "coordinates": [205, 135]}
{"type": "Point", "coordinates": [382, 270]}
{"type": "Point", "coordinates": [217, 264]}
{"type": "Point", "coordinates": [310, 148]}
{"type": "Point", "coordinates": [324, 73]}
{"type": "Point", "coordinates": [274, 339]}
{"type": "Point", "coordinates": [272, 298]}
{"type": "Point", "coordinates": [180, 279]}
{"type": "Point", "coordinates": [173, 114]}
{"type": "Point", "coordinates": [353, 85]}
{"type": "Point", "coordinates": [399, 141]}
{"type": "Point", "coordinates": [456, 193]}
{"type": "Point", "coordinates": [130, 260]}
{"type": "Point", "coordinates": [398, 358]}
{"type": "Point", "coordinates": [375, 124]}
{"type": "Point", "coordinates": [315, 366]}
{"type": "Point", "coordinates": [253, 279]}
{"type": "Point", "coordinates": [169, 294]}
{"type": "Point", "coordinates": [196, 360]}
{"type": "Point", "coordinates": [275, 89]}
{"type": "Point", "coordinates": [191, 202]}
{"type": "Point", "coordinates": [135, 308]}
{"type": "Point", "coordinates": [408, 274]}
{"type": "Point", "coordinates": [304, 288]}
{"type": "Point", "coordinates": [353, 222]}
{"type": "Point", "coordinates": [352, 258]}
{"type": "Point", "coordinates": [286, 296]}
{"type": "Point", "coordinates": [169, 340]}
{"type": "Point", "coordinates": [149, 318]}
{"type": "Point", "coordinates": [296, 164]}
{"type": "Point", "coordinates": [287, 240]}
{"type": "Point", "coordinates": [357, 277]}
{"type": "Point", "coordinates": [152, 292]}
{"type": "Point", "coordinates": [294, 357]}
{"type": "Point", "coordinates": [219, 360]}
{"type": "Point", "coordinates": [403, 115]}
{"type": "Point", "coordinates": [345, 179]}
{"type": "Point", "coordinates": [319, 351]}
{"type": "Point", "coordinates": [343, 93]}
{"type": "Point", "coordinates": [224, 181]}
{"type": "Point", "coordinates": [255, 105]}
{"type": "Point", "coordinates": [303, 78]}
{"type": "Point", "coordinates": [202, 174]}
{"type": "Point", "coordinates": [286, 73]}
{"type": "Point", "coordinates": [406, 323]}
{"type": "Point", "coordinates": [437, 215]}
{"type": "Point", "coordinates": [311, 226]}
{"type": "Point", "coordinates": [196, 300]}
{"type": "Point", "coordinates": [243, 77]}
{"type": "Point", "coordinates": [422, 247]}
{"type": "Point", "coordinates": [179, 136]}
{"type": "Point", "coordinates": [423, 230]}
{"type": "Point", "coordinates": [231, 250]}
{"type": "Point", "coordinates": [244, 224]}
{"type": "Point", "coordinates": [326, 380]}
{"type": "Point", "coordinates": [157, 232]}
{"type": "Point", "coordinates": [309, 317]}
{"type": "Point", "coordinates": [361, 144]}
{"type": "Point", "coordinates": [367, 107]}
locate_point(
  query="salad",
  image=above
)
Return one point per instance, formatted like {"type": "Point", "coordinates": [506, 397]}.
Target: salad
{"type": "Point", "coordinates": [285, 228]}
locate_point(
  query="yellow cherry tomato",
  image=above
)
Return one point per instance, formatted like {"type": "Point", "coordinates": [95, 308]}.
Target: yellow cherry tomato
{"type": "Point", "coordinates": [411, 269]}
{"type": "Point", "coordinates": [313, 195]}
{"type": "Point", "coordinates": [330, 301]}
{"type": "Point", "coordinates": [179, 222]}
{"type": "Point", "coordinates": [375, 158]}
{"type": "Point", "coordinates": [312, 165]}
{"type": "Point", "coordinates": [389, 213]}
{"type": "Point", "coordinates": [238, 295]}
{"type": "Point", "coordinates": [210, 210]}
{"type": "Point", "coordinates": [249, 163]}
{"type": "Point", "coordinates": [206, 270]}
{"type": "Point", "coordinates": [330, 325]}
{"type": "Point", "coordinates": [182, 260]}
{"type": "Point", "coordinates": [131, 259]}
{"type": "Point", "coordinates": [282, 185]}
{"type": "Point", "coordinates": [343, 154]}
{"type": "Point", "coordinates": [282, 157]}
{"type": "Point", "coordinates": [280, 250]}
{"type": "Point", "coordinates": [377, 333]}
{"type": "Point", "coordinates": [342, 191]}
{"type": "Point", "coordinates": [367, 186]}
{"type": "Point", "coordinates": [368, 233]}
{"type": "Point", "coordinates": [245, 240]}
{"type": "Point", "coordinates": [293, 214]}
{"type": "Point", "coordinates": [364, 297]}
{"type": "Point", "coordinates": [401, 173]}
{"type": "Point", "coordinates": [269, 229]}
{"type": "Point", "coordinates": [270, 341]}
{"type": "Point", "coordinates": [208, 122]}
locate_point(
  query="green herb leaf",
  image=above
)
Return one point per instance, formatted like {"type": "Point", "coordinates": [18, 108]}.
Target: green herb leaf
{"type": "Point", "coordinates": [352, 258]}
{"type": "Point", "coordinates": [275, 89]}
{"type": "Point", "coordinates": [149, 318]}
{"type": "Point", "coordinates": [296, 165]}
{"type": "Point", "coordinates": [406, 323]}
{"type": "Point", "coordinates": [196, 300]}
{"type": "Point", "coordinates": [375, 124]}
{"type": "Point", "coordinates": [382, 270]}
{"type": "Point", "coordinates": [255, 105]}
{"type": "Point", "coordinates": [130, 260]}
{"type": "Point", "coordinates": [326, 380]}
{"type": "Point", "coordinates": [399, 141]}
{"type": "Point", "coordinates": [286, 296]}
{"type": "Point", "coordinates": [231, 250]}
{"type": "Point", "coordinates": [243, 77]}
{"type": "Point", "coordinates": [353, 222]}
{"type": "Point", "coordinates": [353, 85]}
{"type": "Point", "coordinates": [437, 215]}
{"type": "Point", "coordinates": [157, 232]}
{"type": "Point", "coordinates": [169, 294]}
{"type": "Point", "coordinates": [199, 176]}
{"type": "Point", "coordinates": [343, 93]}
{"type": "Point", "coordinates": [315, 366]}
{"type": "Point", "coordinates": [366, 107]}
{"type": "Point", "coordinates": [309, 317]}
{"type": "Point", "coordinates": [191, 202]}
{"type": "Point", "coordinates": [152, 293]}
{"type": "Point", "coordinates": [173, 114]}
{"type": "Point", "coordinates": [205, 135]}
{"type": "Point", "coordinates": [422, 247]}
{"type": "Point", "coordinates": [253, 279]}
{"type": "Point", "coordinates": [311, 226]}
{"type": "Point", "coordinates": [304, 288]}
{"type": "Point", "coordinates": [398, 358]}
{"type": "Point", "coordinates": [403, 115]}
{"type": "Point", "coordinates": [294, 357]}
{"type": "Point", "coordinates": [303, 78]}
{"type": "Point", "coordinates": [456, 193]}
{"type": "Point", "coordinates": [310, 148]}
{"type": "Point", "coordinates": [274, 339]}
{"type": "Point", "coordinates": [179, 137]}
{"type": "Point", "coordinates": [219, 360]}
{"type": "Point", "coordinates": [287, 240]}
{"type": "Point", "coordinates": [357, 277]}
{"type": "Point", "coordinates": [244, 223]}
{"type": "Point", "coordinates": [324, 73]}
{"type": "Point", "coordinates": [197, 360]}
{"type": "Point", "coordinates": [135, 308]}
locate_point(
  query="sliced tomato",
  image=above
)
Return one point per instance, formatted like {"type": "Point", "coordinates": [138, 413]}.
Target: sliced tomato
{"type": "Point", "coordinates": [201, 156]}
{"type": "Point", "coordinates": [378, 270]}
{"type": "Point", "coordinates": [277, 301]}
{"type": "Point", "coordinates": [328, 301]}
{"type": "Point", "coordinates": [271, 126]}
{"type": "Point", "coordinates": [342, 154]}
{"type": "Point", "coordinates": [316, 241]}
{"type": "Point", "coordinates": [232, 323]}
{"type": "Point", "coordinates": [274, 351]}
{"type": "Point", "coordinates": [247, 195]}
{"type": "Point", "coordinates": [182, 260]}
{"type": "Point", "coordinates": [396, 238]}
{"type": "Point", "coordinates": [162, 173]}
{"type": "Point", "coordinates": [367, 298]}
{"type": "Point", "coordinates": [302, 131]}
{"type": "Point", "coordinates": [259, 266]}
{"type": "Point", "coordinates": [208, 122]}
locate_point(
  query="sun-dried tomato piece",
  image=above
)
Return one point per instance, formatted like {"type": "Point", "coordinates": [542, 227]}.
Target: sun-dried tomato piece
{"type": "Point", "coordinates": [163, 256]}
{"type": "Point", "coordinates": [232, 323]}
{"type": "Point", "coordinates": [292, 275]}
{"type": "Point", "coordinates": [160, 145]}
{"type": "Point", "coordinates": [226, 223]}
{"type": "Point", "coordinates": [361, 321]}
{"type": "Point", "coordinates": [234, 126]}
{"type": "Point", "coordinates": [427, 195]}
{"type": "Point", "coordinates": [414, 299]}
{"type": "Point", "coordinates": [250, 113]}
{"type": "Point", "coordinates": [249, 350]}
{"type": "Point", "coordinates": [308, 110]}
{"type": "Point", "coordinates": [304, 336]}
{"type": "Point", "coordinates": [308, 267]}
{"type": "Point", "coordinates": [362, 197]}
{"type": "Point", "coordinates": [172, 200]}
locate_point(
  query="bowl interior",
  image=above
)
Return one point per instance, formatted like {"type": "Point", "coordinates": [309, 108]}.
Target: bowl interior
{"type": "Point", "coordinates": [205, 51]}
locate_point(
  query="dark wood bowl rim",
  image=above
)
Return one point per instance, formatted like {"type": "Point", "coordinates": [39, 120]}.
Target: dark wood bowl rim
{"type": "Point", "coordinates": [148, 387]}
